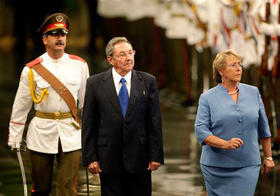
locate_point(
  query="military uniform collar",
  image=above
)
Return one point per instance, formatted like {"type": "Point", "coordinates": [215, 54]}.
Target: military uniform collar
{"type": "Point", "coordinates": [59, 60]}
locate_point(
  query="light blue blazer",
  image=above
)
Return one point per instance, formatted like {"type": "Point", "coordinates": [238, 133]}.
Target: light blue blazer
{"type": "Point", "coordinates": [219, 115]}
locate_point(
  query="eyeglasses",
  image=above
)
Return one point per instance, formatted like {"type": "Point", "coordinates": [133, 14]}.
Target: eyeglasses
{"type": "Point", "coordinates": [236, 65]}
{"type": "Point", "coordinates": [130, 53]}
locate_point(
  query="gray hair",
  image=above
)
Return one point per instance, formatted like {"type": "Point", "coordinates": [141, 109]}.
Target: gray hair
{"type": "Point", "coordinates": [220, 63]}
{"type": "Point", "coordinates": [110, 46]}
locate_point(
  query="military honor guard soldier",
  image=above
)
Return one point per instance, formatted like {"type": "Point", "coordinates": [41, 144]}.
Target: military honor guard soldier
{"type": "Point", "coordinates": [55, 82]}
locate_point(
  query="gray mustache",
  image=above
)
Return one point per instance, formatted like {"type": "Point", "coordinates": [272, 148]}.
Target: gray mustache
{"type": "Point", "coordinates": [59, 43]}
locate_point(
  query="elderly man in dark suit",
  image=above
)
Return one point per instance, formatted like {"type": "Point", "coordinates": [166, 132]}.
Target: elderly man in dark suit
{"type": "Point", "coordinates": [122, 131]}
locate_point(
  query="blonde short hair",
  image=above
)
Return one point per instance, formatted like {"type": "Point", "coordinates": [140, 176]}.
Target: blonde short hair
{"type": "Point", "coordinates": [220, 63]}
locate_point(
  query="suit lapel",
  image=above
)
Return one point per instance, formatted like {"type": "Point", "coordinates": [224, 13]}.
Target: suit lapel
{"type": "Point", "coordinates": [111, 94]}
{"type": "Point", "coordinates": [134, 91]}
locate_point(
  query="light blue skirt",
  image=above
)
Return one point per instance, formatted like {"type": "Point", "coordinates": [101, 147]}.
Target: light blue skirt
{"type": "Point", "coordinates": [230, 181]}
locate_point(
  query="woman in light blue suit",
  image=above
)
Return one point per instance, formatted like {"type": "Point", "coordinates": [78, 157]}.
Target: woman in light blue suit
{"type": "Point", "coordinates": [230, 120]}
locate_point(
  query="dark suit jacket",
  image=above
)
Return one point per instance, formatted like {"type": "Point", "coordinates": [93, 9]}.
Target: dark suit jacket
{"type": "Point", "coordinates": [122, 143]}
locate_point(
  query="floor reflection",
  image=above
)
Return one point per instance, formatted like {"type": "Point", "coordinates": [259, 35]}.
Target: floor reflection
{"type": "Point", "coordinates": [177, 178]}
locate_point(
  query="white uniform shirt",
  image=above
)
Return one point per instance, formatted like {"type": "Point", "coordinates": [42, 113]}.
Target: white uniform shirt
{"type": "Point", "coordinates": [44, 134]}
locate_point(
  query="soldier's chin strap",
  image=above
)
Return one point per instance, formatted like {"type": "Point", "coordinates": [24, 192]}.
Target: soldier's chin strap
{"type": "Point", "coordinates": [22, 148]}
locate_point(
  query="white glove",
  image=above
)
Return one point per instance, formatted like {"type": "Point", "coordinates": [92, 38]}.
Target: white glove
{"type": "Point", "coordinates": [14, 146]}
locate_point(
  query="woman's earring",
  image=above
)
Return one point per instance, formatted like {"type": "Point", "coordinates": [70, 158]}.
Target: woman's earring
{"type": "Point", "coordinates": [223, 79]}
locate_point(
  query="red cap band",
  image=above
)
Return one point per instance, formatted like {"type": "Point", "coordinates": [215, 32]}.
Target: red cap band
{"type": "Point", "coordinates": [55, 26]}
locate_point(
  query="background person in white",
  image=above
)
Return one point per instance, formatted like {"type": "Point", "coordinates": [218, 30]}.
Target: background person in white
{"type": "Point", "coordinates": [50, 138]}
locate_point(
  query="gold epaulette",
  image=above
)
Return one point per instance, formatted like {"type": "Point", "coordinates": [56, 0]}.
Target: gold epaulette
{"type": "Point", "coordinates": [72, 56]}
{"type": "Point", "coordinates": [34, 62]}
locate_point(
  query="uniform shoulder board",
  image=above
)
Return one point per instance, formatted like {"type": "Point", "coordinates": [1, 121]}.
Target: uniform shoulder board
{"type": "Point", "coordinates": [34, 62]}
{"type": "Point", "coordinates": [72, 56]}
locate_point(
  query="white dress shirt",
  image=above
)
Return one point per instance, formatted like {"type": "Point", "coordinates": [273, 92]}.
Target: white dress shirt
{"type": "Point", "coordinates": [117, 81]}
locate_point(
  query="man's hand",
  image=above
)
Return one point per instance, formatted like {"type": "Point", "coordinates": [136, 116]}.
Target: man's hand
{"type": "Point", "coordinates": [94, 167]}
{"type": "Point", "coordinates": [153, 165]}
{"type": "Point", "coordinates": [268, 165]}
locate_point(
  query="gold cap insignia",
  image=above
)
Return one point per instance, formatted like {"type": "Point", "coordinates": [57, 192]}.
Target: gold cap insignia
{"type": "Point", "coordinates": [59, 18]}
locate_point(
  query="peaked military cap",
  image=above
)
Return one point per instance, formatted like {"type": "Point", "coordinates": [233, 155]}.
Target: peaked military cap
{"type": "Point", "coordinates": [57, 21]}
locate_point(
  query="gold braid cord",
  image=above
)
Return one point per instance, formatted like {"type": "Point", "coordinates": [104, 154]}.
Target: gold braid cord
{"type": "Point", "coordinates": [33, 92]}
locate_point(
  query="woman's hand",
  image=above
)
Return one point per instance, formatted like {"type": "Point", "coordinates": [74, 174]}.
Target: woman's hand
{"type": "Point", "coordinates": [217, 142]}
{"type": "Point", "coordinates": [233, 143]}
{"type": "Point", "coordinates": [268, 165]}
